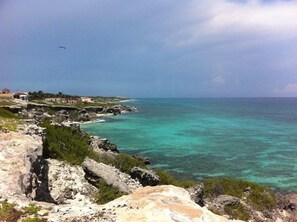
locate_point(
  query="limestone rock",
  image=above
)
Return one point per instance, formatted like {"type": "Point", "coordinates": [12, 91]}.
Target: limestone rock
{"type": "Point", "coordinates": [102, 143]}
{"type": "Point", "coordinates": [145, 177]}
{"type": "Point", "coordinates": [227, 200]}
{"type": "Point", "coordinates": [20, 154]}
{"type": "Point", "coordinates": [110, 174]}
{"type": "Point", "coordinates": [67, 183]}
{"type": "Point", "coordinates": [161, 204]}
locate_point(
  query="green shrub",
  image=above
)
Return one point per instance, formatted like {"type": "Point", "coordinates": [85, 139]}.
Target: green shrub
{"type": "Point", "coordinates": [124, 162]}
{"type": "Point", "coordinates": [237, 212]}
{"type": "Point", "coordinates": [167, 179]}
{"type": "Point", "coordinates": [31, 209]}
{"type": "Point", "coordinates": [260, 197]}
{"type": "Point", "coordinates": [64, 143]}
{"type": "Point", "coordinates": [8, 213]}
{"type": "Point", "coordinates": [107, 193]}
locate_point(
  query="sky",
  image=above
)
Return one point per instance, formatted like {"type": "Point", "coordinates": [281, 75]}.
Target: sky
{"type": "Point", "coordinates": [160, 48]}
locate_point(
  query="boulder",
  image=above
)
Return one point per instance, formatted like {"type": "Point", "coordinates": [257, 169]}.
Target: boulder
{"type": "Point", "coordinates": [227, 200]}
{"type": "Point", "coordinates": [197, 193]}
{"type": "Point", "coordinates": [145, 177]}
{"type": "Point", "coordinates": [111, 175]}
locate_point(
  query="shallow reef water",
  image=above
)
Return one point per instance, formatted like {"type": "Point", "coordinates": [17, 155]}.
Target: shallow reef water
{"type": "Point", "coordinates": [249, 138]}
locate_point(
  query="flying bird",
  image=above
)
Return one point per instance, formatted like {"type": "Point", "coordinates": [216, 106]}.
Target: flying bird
{"type": "Point", "coordinates": [62, 47]}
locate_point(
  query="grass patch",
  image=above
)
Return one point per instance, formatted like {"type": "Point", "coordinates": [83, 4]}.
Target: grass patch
{"type": "Point", "coordinates": [8, 121]}
{"type": "Point", "coordinates": [7, 102]}
{"type": "Point", "coordinates": [237, 212]}
{"type": "Point", "coordinates": [260, 197]}
{"type": "Point", "coordinates": [32, 219]}
{"type": "Point", "coordinates": [8, 213]}
{"type": "Point", "coordinates": [31, 209]}
{"type": "Point", "coordinates": [9, 124]}
{"type": "Point", "coordinates": [107, 193]}
{"type": "Point", "coordinates": [167, 179]}
{"type": "Point", "coordinates": [7, 114]}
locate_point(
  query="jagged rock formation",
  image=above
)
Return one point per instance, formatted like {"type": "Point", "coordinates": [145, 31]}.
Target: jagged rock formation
{"type": "Point", "coordinates": [197, 194]}
{"type": "Point", "coordinates": [99, 144]}
{"type": "Point", "coordinates": [145, 177]}
{"type": "Point", "coordinates": [111, 175]}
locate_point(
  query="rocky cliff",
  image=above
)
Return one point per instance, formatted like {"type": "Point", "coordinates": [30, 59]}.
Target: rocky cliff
{"type": "Point", "coordinates": [64, 194]}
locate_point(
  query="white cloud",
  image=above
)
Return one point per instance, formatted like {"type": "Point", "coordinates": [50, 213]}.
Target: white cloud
{"type": "Point", "coordinates": [249, 19]}
{"type": "Point", "coordinates": [219, 80]}
{"type": "Point", "coordinates": [289, 88]}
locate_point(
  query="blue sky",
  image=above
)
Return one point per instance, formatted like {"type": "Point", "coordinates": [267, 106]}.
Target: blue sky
{"type": "Point", "coordinates": [168, 48]}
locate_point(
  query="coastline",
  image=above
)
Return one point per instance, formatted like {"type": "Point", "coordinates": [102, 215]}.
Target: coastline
{"type": "Point", "coordinates": [96, 119]}
{"type": "Point", "coordinates": [71, 141]}
{"type": "Point", "coordinates": [163, 132]}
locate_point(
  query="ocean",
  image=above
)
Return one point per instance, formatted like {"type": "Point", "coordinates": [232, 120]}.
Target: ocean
{"type": "Point", "coordinates": [248, 138]}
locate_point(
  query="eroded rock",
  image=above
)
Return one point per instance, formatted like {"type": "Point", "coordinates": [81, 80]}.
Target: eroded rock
{"type": "Point", "coordinates": [97, 143]}
{"type": "Point", "coordinates": [197, 194]}
{"type": "Point", "coordinates": [145, 177]}
{"type": "Point", "coordinates": [110, 175]}
{"type": "Point", "coordinates": [67, 183]}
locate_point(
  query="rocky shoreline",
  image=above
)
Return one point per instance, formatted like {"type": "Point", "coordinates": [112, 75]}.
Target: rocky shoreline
{"type": "Point", "coordinates": [66, 192]}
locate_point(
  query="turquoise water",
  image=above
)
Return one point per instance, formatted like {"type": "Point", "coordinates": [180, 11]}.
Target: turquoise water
{"type": "Point", "coordinates": [254, 139]}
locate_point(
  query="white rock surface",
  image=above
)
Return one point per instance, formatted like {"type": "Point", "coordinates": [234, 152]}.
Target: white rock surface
{"type": "Point", "coordinates": [161, 204]}
{"type": "Point", "coordinates": [14, 150]}
{"type": "Point", "coordinates": [67, 183]}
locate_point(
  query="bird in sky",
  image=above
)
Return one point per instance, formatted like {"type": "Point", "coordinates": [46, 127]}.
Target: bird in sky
{"type": "Point", "coordinates": [62, 47]}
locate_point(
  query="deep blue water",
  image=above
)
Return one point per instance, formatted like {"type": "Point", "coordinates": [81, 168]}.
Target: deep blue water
{"type": "Point", "coordinates": [250, 138]}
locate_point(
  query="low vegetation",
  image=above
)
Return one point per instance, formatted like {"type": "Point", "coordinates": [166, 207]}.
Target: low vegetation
{"type": "Point", "coordinates": [70, 145]}
{"type": "Point", "coordinates": [64, 143]}
{"type": "Point", "coordinates": [237, 212]}
{"type": "Point", "coordinates": [33, 219]}
{"type": "Point", "coordinates": [107, 193]}
{"type": "Point", "coordinates": [167, 179]}
{"type": "Point", "coordinates": [7, 102]}
{"type": "Point", "coordinates": [8, 212]}
{"type": "Point", "coordinates": [258, 196]}
{"type": "Point", "coordinates": [121, 161]}
{"type": "Point", "coordinates": [8, 121]}
{"type": "Point", "coordinates": [32, 209]}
